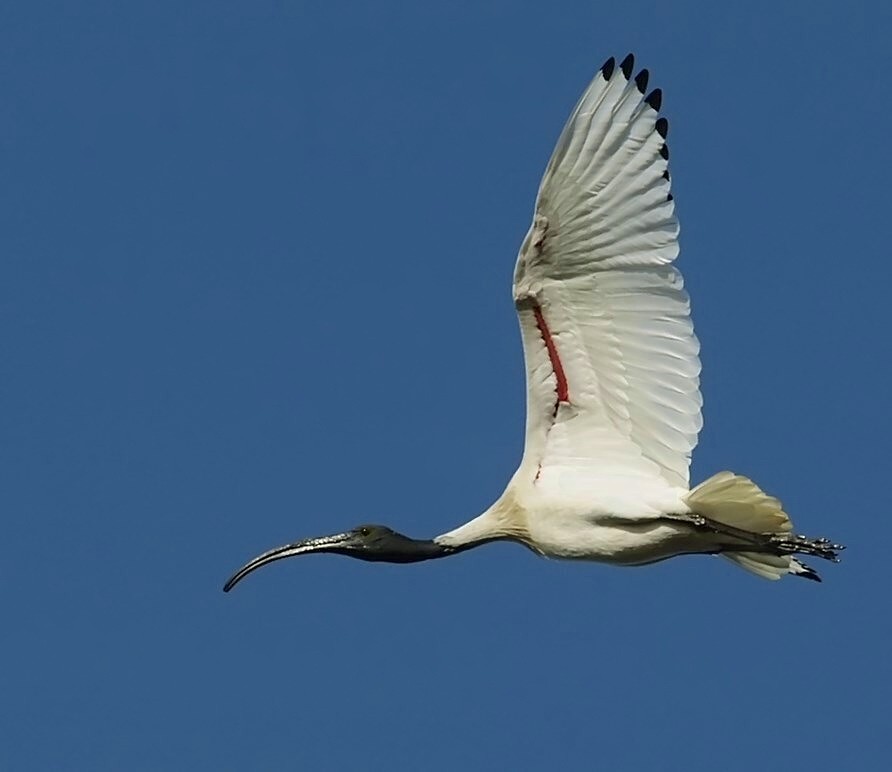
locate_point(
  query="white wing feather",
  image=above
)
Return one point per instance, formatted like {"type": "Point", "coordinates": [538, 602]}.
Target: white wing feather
{"type": "Point", "coordinates": [594, 275]}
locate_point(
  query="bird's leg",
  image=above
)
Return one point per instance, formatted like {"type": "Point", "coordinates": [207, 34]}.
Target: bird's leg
{"type": "Point", "coordinates": [777, 543]}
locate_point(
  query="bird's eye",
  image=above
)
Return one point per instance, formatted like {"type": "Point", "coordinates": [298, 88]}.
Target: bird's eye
{"type": "Point", "coordinates": [365, 531]}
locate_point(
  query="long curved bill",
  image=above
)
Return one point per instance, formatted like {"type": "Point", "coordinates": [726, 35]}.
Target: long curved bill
{"type": "Point", "coordinates": [319, 544]}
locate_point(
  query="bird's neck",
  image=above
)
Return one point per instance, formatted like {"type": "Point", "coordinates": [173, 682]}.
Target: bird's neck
{"type": "Point", "coordinates": [416, 550]}
{"type": "Point", "coordinates": [503, 520]}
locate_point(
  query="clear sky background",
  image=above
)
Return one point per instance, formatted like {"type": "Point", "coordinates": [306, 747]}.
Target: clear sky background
{"type": "Point", "coordinates": [256, 263]}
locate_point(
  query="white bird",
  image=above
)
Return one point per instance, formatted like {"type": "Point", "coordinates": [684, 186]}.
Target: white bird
{"type": "Point", "coordinates": [612, 370]}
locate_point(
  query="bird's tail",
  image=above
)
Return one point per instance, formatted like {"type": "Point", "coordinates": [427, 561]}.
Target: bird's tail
{"type": "Point", "coordinates": [737, 502]}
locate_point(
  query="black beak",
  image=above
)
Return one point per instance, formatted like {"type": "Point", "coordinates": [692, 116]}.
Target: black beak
{"type": "Point", "coordinates": [333, 543]}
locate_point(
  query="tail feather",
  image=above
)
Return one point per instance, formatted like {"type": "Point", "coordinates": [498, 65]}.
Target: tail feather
{"type": "Point", "coordinates": [736, 501]}
{"type": "Point", "coordinates": [772, 567]}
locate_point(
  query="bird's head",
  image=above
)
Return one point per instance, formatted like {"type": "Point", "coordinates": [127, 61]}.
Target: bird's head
{"type": "Point", "coordinates": [366, 542]}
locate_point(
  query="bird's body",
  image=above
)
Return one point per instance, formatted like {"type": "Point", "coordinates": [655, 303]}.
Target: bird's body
{"type": "Point", "coordinates": [613, 397]}
{"type": "Point", "coordinates": [606, 529]}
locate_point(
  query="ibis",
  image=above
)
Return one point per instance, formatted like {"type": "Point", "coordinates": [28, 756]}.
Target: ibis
{"type": "Point", "coordinates": [612, 375]}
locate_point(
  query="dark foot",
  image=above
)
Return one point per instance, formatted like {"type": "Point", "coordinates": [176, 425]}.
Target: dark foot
{"type": "Point", "coordinates": [822, 548]}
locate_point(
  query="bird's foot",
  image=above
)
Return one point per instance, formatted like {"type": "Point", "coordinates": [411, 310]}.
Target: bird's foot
{"type": "Point", "coordinates": [803, 545]}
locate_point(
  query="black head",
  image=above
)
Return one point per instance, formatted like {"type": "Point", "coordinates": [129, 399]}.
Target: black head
{"type": "Point", "coordinates": [380, 543]}
{"type": "Point", "coordinates": [366, 542]}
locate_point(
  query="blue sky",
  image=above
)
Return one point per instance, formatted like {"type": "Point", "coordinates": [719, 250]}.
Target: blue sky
{"type": "Point", "coordinates": [255, 286]}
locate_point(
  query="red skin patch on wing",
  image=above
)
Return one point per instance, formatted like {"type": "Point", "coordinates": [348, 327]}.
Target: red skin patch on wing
{"type": "Point", "coordinates": [563, 393]}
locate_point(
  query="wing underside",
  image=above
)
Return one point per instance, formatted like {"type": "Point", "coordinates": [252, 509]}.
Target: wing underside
{"type": "Point", "coordinates": [611, 357]}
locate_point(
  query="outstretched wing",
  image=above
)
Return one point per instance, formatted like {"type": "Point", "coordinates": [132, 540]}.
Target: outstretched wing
{"type": "Point", "coordinates": [612, 362]}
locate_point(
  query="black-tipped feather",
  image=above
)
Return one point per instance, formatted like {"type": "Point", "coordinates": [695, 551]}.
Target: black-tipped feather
{"type": "Point", "coordinates": [664, 152]}
{"type": "Point", "coordinates": [807, 572]}
{"type": "Point", "coordinates": [608, 67]}
{"type": "Point", "coordinates": [627, 65]}
{"type": "Point", "coordinates": [662, 127]}
{"type": "Point", "coordinates": [641, 80]}
{"type": "Point", "coordinates": [655, 99]}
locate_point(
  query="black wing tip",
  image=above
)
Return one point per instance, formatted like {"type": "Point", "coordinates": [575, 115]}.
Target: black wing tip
{"type": "Point", "coordinates": [798, 568]}
{"type": "Point", "coordinates": [662, 127]}
{"type": "Point", "coordinates": [608, 67]}
{"type": "Point", "coordinates": [627, 65]}
{"type": "Point", "coordinates": [808, 572]}
{"type": "Point", "coordinates": [664, 152]}
{"type": "Point", "coordinates": [813, 575]}
{"type": "Point", "coordinates": [641, 80]}
{"type": "Point", "coordinates": [655, 99]}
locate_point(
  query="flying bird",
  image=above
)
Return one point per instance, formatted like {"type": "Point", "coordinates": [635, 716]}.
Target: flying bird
{"type": "Point", "coordinates": [612, 374]}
